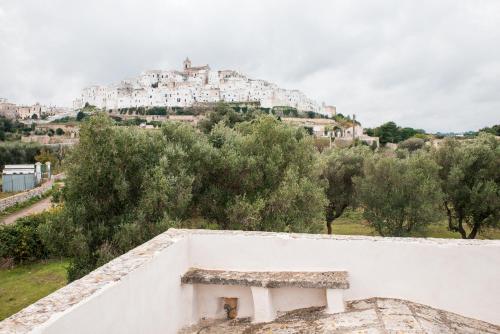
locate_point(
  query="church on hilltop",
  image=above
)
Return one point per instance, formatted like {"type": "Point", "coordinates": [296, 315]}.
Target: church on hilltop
{"type": "Point", "coordinates": [195, 85]}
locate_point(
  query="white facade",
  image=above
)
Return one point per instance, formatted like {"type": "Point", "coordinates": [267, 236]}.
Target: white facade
{"type": "Point", "coordinates": [172, 88]}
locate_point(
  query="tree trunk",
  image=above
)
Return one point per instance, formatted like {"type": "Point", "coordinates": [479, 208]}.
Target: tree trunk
{"type": "Point", "coordinates": [329, 227]}
{"type": "Point", "coordinates": [450, 218]}
{"type": "Point", "coordinates": [461, 228]}
{"type": "Point", "coordinates": [331, 215]}
{"type": "Point", "coordinates": [473, 233]}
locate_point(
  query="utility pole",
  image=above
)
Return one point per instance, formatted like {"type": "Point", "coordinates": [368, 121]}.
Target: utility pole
{"type": "Point", "coordinates": [353, 126]}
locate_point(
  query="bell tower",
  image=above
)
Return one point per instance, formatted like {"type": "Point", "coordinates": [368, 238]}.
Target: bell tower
{"type": "Point", "coordinates": [186, 63]}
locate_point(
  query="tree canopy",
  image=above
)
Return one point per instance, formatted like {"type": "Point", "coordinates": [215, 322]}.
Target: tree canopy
{"type": "Point", "coordinates": [470, 180]}
{"type": "Point", "coordinates": [125, 184]}
{"type": "Point", "coordinates": [340, 168]}
{"type": "Point", "coordinates": [390, 132]}
{"type": "Point", "coordinates": [399, 196]}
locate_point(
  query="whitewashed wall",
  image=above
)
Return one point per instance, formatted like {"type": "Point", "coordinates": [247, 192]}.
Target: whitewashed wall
{"type": "Point", "coordinates": [141, 292]}
{"type": "Point", "coordinates": [454, 275]}
{"type": "Point", "coordinates": [148, 300]}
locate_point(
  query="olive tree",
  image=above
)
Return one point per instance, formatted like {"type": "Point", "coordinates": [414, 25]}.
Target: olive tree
{"type": "Point", "coordinates": [340, 167]}
{"type": "Point", "coordinates": [399, 196]}
{"type": "Point", "coordinates": [125, 184]}
{"type": "Point", "coordinates": [470, 180]}
{"type": "Point", "coordinates": [223, 112]}
{"type": "Point", "coordinates": [266, 178]}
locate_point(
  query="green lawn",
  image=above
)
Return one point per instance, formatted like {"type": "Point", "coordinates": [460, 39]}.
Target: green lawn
{"type": "Point", "coordinates": [352, 223]}
{"type": "Point", "coordinates": [25, 284]}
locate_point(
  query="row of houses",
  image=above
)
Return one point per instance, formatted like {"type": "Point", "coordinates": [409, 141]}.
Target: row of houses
{"type": "Point", "coordinates": [35, 111]}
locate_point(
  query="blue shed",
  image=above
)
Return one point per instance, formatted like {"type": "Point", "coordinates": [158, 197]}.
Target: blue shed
{"type": "Point", "coordinates": [18, 178]}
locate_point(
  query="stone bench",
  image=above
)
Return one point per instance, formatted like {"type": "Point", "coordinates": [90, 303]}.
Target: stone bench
{"type": "Point", "coordinates": [260, 283]}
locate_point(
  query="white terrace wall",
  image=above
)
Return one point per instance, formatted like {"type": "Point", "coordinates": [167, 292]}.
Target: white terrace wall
{"type": "Point", "coordinates": [141, 292]}
{"type": "Point", "coordinates": [138, 292]}
{"type": "Point", "coordinates": [460, 276]}
{"type": "Point", "coordinates": [146, 300]}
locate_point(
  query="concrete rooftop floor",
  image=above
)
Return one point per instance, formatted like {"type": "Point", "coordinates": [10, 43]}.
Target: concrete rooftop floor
{"type": "Point", "coordinates": [369, 316]}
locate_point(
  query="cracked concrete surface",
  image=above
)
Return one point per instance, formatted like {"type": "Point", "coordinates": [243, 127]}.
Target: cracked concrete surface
{"type": "Point", "coordinates": [368, 316]}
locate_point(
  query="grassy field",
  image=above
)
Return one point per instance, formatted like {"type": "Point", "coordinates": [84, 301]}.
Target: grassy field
{"type": "Point", "coordinates": [25, 284]}
{"type": "Point", "coordinates": [352, 223]}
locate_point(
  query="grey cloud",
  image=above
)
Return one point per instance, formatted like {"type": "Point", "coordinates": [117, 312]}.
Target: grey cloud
{"type": "Point", "coordinates": [427, 64]}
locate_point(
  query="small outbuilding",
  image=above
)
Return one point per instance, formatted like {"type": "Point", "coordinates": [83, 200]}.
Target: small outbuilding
{"type": "Point", "coordinates": [17, 178]}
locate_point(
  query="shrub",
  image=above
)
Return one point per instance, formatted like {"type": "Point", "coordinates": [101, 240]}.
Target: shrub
{"type": "Point", "coordinates": [21, 241]}
{"type": "Point", "coordinates": [412, 144]}
{"type": "Point", "coordinates": [18, 153]}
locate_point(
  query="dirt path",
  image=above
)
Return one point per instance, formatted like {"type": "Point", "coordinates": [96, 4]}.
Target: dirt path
{"type": "Point", "coordinates": [38, 207]}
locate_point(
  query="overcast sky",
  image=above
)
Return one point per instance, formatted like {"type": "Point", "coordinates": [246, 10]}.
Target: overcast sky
{"type": "Point", "coordinates": [426, 64]}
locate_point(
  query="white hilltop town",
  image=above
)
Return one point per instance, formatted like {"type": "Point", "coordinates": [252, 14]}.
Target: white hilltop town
{"type": "Point", "coordinates": [195, 85]}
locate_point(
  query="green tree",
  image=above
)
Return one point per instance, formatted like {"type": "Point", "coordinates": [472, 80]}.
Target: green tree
{"type": "Point", "coordinates": [265, 178]}
{"type": "Point", "coordinates": [18, 153]}
{"type": "Point", "coordinates": [405, 133]}
{"type": "Point", "coordinates": [80, 116]}
{"type": "Point", "coordinates": [125, 185]}
{"type": "Point", "coordinates": [399, 195]}
{"type": "Point", "coordinates": [470, 180]}
{"type": "Point", "coordinates": [388, 133]}
{"type": "Point", "coordinates": [391, 133]}
{"type": "Point", "coordinates": [59, 131]}
{"type": "Point", "coordinates": [223, 112]}
{"type": "Point", "coordinates": [341, 166]}
{"type": "Point", "coordinates": [46, 155]}
{"type": "Point", "coordinates": [494, 130]}
{"type": "Point", "coordinates": [104, 185]}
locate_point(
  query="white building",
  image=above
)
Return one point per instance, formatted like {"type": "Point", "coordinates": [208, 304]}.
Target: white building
{"type": "Point", "coordinates": [191, 85]}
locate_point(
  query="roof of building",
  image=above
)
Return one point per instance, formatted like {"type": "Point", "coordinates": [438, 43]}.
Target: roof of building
{"type": "Point", "coordinates": [18, 169]}
{"type": "Point", "coordinates": [375, 315]}
{"type": "Point", "coordinates": [198, 68]}
{"type": "Point", "coordinates": [23, 166]}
